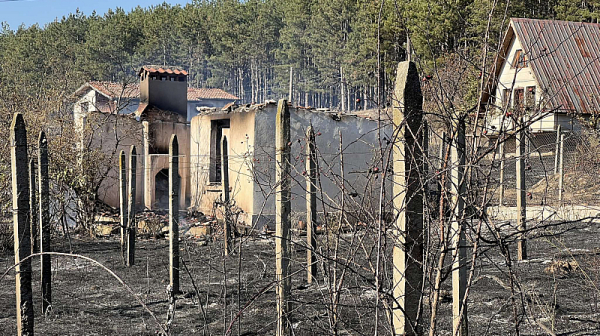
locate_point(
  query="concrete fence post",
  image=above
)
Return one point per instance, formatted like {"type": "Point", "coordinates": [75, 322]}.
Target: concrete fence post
{"type": "Point", "coordinates": [227, 225]}
{"type": "Point", "coordinates": [174, 214]}
{"type": "Point", "coordinates": [557, 150]}
{"type": "Point", "coordinates": [311, 205]}
{"type": "Point", "coordinates": [22, 236]}
{"type": "Point", "coordinates": [131, 207]}
{"type": "Point", "coordinates": [459, 252]}
{"type": "Point", "coordinates": [408, 203]}
{"type": "Point", "coordinates": [521, 194]}
{"type": "Point", "coordinates": [123, 199]}
{"type": "Point", "coordinates": [148, 178]}
{"type": "Point", "coordinates": [33, 208]}
{"type": "Point", "coordinates": [502, 159]}
{"type": "Point", "coordinates": [44, 209]}
{"type": "Point", "coordinates": [561, 169]}
{"type": "Point", "coordinates": [282, 217]}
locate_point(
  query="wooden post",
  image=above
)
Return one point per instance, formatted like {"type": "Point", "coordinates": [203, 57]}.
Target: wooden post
{"type": "Point", "coordinates": [282, 217]}
{"type": "Point", "coordinates": [226, 195]}
{"type": "Point", "coordinates": [557, 150]}
{"type": "Point", "coordinates": [44, 192]}
{"type": "Point", "coordinates": [22, 236]}
{"type": "Point", "coordinates": [459, 253]}
{"type": "Point", "coordinates": [33, 208]}
{"type": "Point", "coordinates": [131, 210]}
{"type": "Point", "coordinates": [521, 194]}
{"type": "Point", "coordinates": [408, 202]}
{"type": "Point", "coordinates": [123, 199]}
{"type": "Point", "coordinates": [174, 214]}
{"type": "Point", "coordinates": [502, 156]}
{"type": "Point", "coordinates": [561, 169]}
{"type": "Point", "coordinates": [311, 204]}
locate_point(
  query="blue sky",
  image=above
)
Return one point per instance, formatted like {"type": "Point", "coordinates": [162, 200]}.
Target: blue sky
{"type": "Point", "coordinates": [29, 12]}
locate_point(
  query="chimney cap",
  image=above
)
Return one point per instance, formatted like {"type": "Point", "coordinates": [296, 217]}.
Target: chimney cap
{"type": "Point", "coordinates": [162, 70]}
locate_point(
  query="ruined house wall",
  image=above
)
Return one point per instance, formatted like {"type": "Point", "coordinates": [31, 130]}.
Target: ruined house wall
{"type": "Point", "coordinates": [361, 152]}
{"type": "Point", "coordinates": [252, 160]}
{"type": "Point", "coordinates": [241, 143]}
{"type": "Point", "coordinates": [160, 137]}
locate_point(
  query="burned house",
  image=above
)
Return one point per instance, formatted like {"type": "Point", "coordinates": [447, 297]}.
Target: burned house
{"type": "Point", "coordinates": [114, 117]}
{"type": "Point", "coordinates": [247, 133]}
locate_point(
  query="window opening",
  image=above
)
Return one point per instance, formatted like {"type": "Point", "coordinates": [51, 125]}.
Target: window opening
{"type": "Point", "coordinates": [518, 99]}
{"type": "Point", "coordinates": [216, 134]}
{"type": "Point", "coordinates": [530, 97]}
{"type": "Point", "coordinates": [520, 60]}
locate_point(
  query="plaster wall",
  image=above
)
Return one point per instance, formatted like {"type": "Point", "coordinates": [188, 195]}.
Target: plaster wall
{"type": "Point", "coordinates": [240, 138]}
{"type": "Point", "coordinates": [520, 78]}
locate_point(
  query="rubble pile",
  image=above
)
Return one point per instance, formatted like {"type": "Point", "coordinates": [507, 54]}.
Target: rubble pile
{"type": "Point", "coordinates": [155, 225]}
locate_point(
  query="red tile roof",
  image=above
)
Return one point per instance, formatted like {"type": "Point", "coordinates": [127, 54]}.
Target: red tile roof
{"type": "Point", "coordinates": [158, 69]}
{"type": "Point", "coordinates": [132, 91]}
{"type": "Point", "coordinates": [114, 90]}
{"type": "Point", "coordinates": [206, 93]}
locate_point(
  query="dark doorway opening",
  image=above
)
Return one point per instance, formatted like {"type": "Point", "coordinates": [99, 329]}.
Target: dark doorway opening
{"type": "Point", "coordinates": [161, 190]}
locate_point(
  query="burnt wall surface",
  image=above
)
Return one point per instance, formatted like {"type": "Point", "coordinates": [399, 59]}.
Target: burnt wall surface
{"type": "Point", "coordinates": [361, 153]}
{"type": "Point", "coordinates": [166, 95]}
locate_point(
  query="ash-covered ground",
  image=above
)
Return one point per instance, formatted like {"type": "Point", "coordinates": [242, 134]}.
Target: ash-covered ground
{"type": "Point", "coordinates": [557, 289]}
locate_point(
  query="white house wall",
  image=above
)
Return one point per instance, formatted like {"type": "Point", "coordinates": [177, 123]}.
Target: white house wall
{"type": "Point", "coordinates": [518, 78]}
{"type": "Point", "coordinates": [241, 143]}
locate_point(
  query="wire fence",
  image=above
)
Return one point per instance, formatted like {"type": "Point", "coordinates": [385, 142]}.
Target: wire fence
{"type": "Point", "coordinates": [580, 160]}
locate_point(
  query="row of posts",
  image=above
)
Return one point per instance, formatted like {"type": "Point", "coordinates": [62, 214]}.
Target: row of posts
{"type": "Point", "coordinates": [27, 211]}
{"type": "Point", "coordinates": [128, 210]}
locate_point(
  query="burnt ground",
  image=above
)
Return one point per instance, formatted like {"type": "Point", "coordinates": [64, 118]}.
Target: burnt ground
{"type": "Point", "coordinates": [88, 301]}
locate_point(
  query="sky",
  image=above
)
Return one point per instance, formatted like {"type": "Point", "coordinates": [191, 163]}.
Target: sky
{"type": "Point", "coordinates": [29, 12]}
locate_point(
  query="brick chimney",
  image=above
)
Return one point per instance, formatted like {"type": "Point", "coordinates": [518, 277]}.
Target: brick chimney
{"type": "Point", "coordinates": [164, 88]}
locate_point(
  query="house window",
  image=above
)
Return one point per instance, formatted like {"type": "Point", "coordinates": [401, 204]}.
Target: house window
{"type": "Point", "coordinates": [84, 106]}
{"type": "Point", "coordinates": [530, 97]}
{"type": "Point", "coordinates": [518, 99]}
{"type": "Point", "coordinates": [520, 60]}
{"type": "Point", "coordinates": [216, 134]}
{"type": "Point", "coordinates": [506, 98]}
